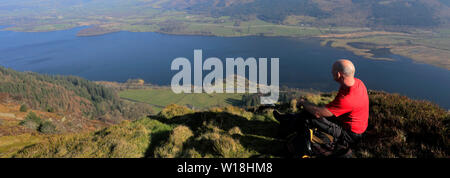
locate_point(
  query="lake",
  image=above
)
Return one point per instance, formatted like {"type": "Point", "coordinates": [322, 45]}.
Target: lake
{"type": "Point", "coordinates": [119, 56]}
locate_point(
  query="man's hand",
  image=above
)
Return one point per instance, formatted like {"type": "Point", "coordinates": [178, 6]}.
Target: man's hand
{"type": "Point", "coordinates": [301, 101]}
{"type": "Point", "coordinates": [315, 110]}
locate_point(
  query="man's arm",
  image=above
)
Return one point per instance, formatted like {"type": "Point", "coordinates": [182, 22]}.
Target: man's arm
{"type": "Point", "coordinates": [315, 110]}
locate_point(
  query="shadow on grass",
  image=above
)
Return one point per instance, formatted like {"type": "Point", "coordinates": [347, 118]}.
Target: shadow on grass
{"type": "Point", "coordinates": [156, 139]}
{"type": "Point", "coordinates": [264, 146]}
{"type": "Point", "coordinates": [257, 135]}
{"type": "Point", "coordinates": [224, 121]}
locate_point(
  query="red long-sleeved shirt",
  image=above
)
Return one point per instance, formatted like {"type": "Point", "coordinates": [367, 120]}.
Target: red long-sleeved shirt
{"type": "Point", "coordinates": [351, 106]}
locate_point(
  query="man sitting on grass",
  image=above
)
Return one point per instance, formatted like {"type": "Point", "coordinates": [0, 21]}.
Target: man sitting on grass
{"type": "Point", "coordinates": [346, 117]}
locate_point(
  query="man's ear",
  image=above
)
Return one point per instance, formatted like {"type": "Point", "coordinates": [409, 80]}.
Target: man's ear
{"type": "Point", "coordinates": [339, 75]}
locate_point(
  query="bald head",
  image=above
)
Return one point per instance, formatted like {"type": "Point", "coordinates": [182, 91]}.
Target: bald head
{"type": "Point", "coordinates": [345, 67]}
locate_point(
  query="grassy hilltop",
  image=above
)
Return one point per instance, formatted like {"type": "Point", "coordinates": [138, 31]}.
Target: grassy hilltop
{"type": "Point", "coordinates": [398, 126]}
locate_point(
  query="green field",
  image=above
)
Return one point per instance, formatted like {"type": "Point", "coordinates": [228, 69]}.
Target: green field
{"type": "Point", "coordinates": [161, 97]}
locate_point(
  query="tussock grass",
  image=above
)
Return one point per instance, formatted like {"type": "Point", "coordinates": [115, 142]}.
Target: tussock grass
{"type": "Point", "coordinates": [127, 139]}
{"type": "Point", "coordinates": [10, 145]}
{"type": "Point", "coordinates": [173, 110]}
{"type": "Point", "coordinates": [174, 145]}
{"type": "Point", "coordinates": [401, 127]}
{"type": "Point", "coordinates": [219, 132]}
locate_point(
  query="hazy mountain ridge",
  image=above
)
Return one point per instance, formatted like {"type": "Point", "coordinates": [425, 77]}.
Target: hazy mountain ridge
{"type": "Point", "coordinates": [414, 13]}
{"type": "Point", "coordinates": [360, 13]}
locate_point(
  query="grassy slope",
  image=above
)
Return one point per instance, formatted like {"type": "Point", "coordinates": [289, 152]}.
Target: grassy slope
{"type": "Point", "coordinates": [127, 139]}
{"type": "Point", "coordinates": [398, 127]}
{"type": "Point", "coordinates": [69, 96]}
{"type": "Point", "coordinates": [231, 132]}
{"type": "Point", "coordinates": [161, 97]}
{"type": "Point", "coordinates": [9, 145]}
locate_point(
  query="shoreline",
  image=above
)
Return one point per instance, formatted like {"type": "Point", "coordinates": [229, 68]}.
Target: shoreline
{"type": "Point", "coordinates": [427, 55]}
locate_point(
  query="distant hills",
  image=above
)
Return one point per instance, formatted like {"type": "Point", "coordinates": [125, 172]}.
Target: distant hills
{"type": "Point", "coordinates": [367, 13]}
{"type": "Point", "coordinates": [355, 13]}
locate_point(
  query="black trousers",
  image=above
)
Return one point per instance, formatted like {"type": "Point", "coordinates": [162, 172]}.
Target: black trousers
{"type": "Point", "coordinates": [330, 125]}
{"type": "Point", "coordinates": [297, 122]}
{"type": "Point", "coordinates": [343, 137]}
